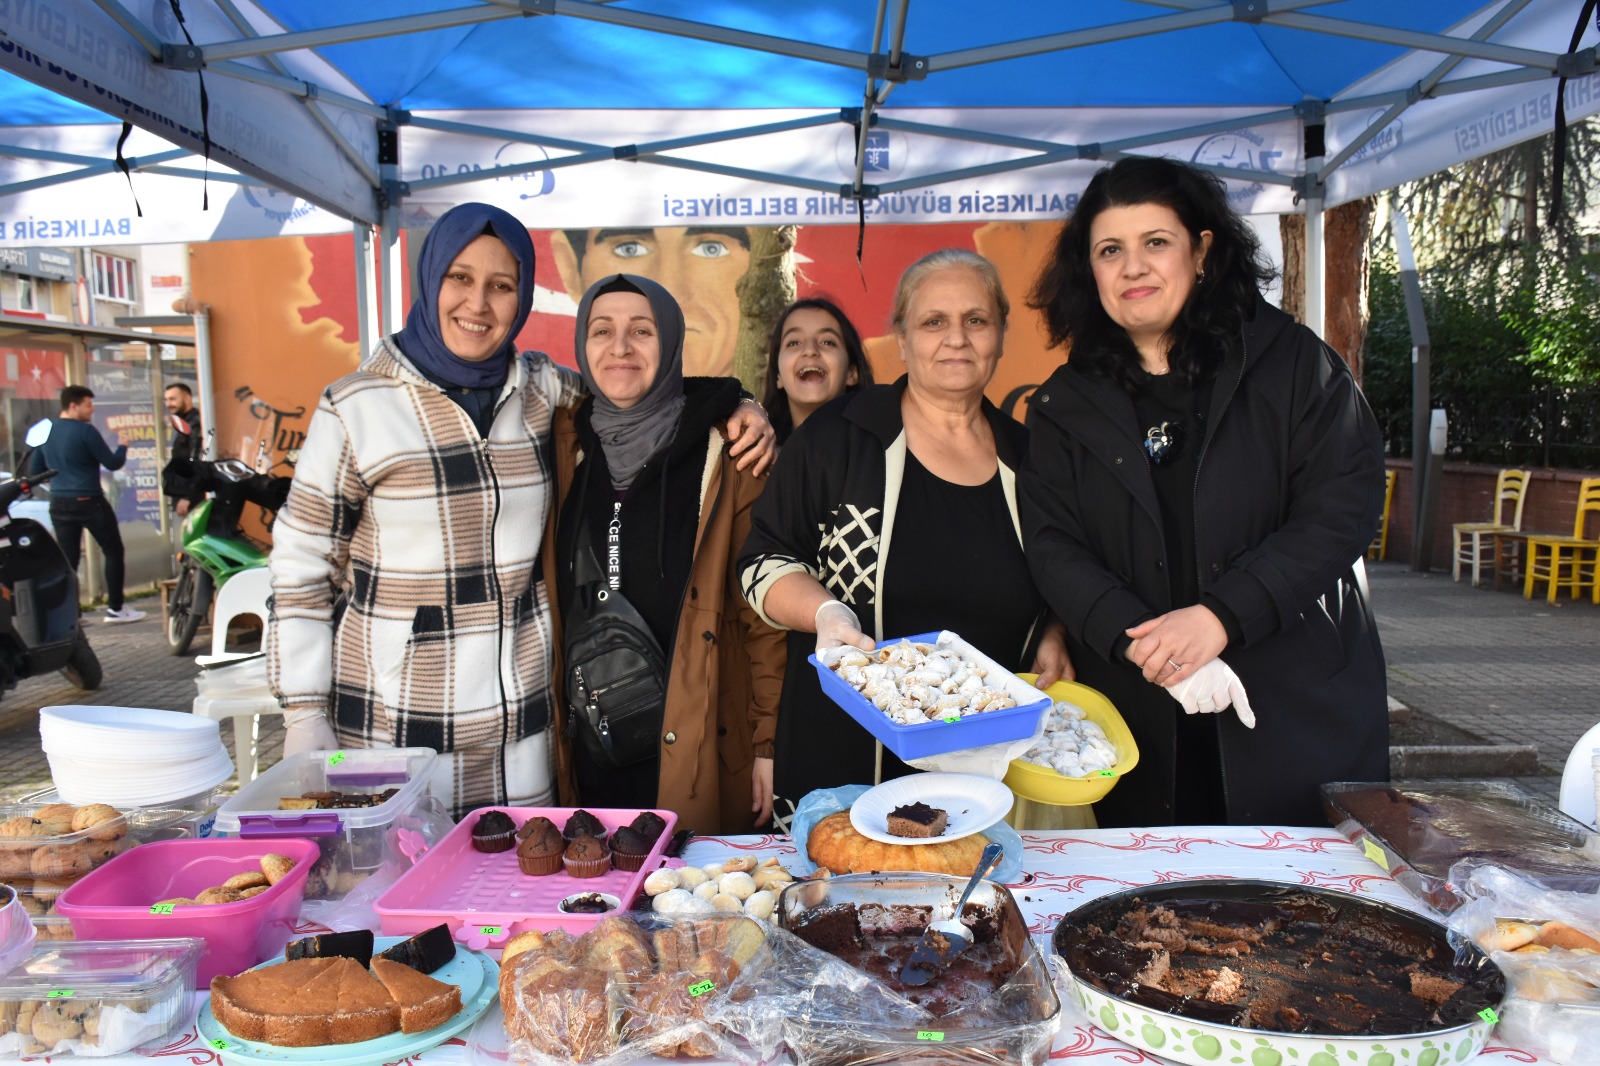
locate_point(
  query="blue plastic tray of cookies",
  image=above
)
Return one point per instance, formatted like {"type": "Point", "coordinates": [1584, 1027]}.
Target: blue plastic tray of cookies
{"type": "Point", "coordinates": [938, 738]}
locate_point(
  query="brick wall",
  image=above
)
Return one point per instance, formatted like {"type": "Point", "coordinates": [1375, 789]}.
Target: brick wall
{"type": "Point", "coordinates": [1466, 495]}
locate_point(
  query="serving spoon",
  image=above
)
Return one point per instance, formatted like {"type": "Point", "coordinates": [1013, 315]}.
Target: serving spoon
{"type": "Point", "coordinates": [943, 941]}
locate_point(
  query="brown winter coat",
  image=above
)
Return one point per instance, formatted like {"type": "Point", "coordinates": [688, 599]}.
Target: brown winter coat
{"type": "Point", "coordinates": [727, 665]}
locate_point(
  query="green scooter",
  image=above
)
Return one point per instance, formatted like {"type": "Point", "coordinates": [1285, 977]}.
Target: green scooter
{"type": "Point", "coordinates": [212, 547]}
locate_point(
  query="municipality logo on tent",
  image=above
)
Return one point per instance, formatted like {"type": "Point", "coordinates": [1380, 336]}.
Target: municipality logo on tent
{"type": "Point", "coordinates": [885, 154]}
{"type": "Point", "coordinates": [1382, 143]}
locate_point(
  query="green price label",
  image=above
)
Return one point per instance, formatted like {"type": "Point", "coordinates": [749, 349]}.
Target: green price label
{"type": "Point", "coordinates": [336, 758]}
{"type": "Point", "coordinates": [1488, 1015]}
{"type": "Point", "coordinates": [952, 718]}
{"type": "Point", "coordinates": [220, 1045]}
{"type": "Point", "coordinates": [1375, 853]}
{"type": "Point", "coordinates": [934, 1035]}
{"type": "Point", "coordinates": [161, 908]}
{"type": "Point", "coordinates": [60, 993]}
{"type": "Point", "coordinates": [489, 930]}
{"type": "Point", "coordinates": [701, 988]}
{"type": "Point", "coordinates": [1106, 773]}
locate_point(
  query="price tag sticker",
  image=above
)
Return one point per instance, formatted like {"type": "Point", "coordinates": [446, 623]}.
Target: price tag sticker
{"type": "Point", "coordinates": [1488, 1015]}
{"type": "Point", "coordinates": [934, 1035]}
{"type": "Point", "coordinates": [1375, 853]}
{"type": "Point", "coordinates": [60, 993]}
{"type": "Point", "coordinates": [1106, 773]}
{"type": "Point", "coordinates": [489, 930]}
{"type": "Point", "coordinates": [951, 718]}
{"type": "Point", "coordinates": [220, 1045]}
{"type": "Point", "coordinates": [701, 988]}
{"type": "Point", "coordinates": [161, 908]}
{"type": "Point", "coordinates": [336, 758]}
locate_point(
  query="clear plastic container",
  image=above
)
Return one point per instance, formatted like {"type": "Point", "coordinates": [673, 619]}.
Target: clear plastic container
{"type": "Point", "coordinates": [41, 867]}
{"type": "Point", "coordinates": [354, 840]}
{"type": "Point", "coordinates": [100, 998]}
{"type": "Point", "coordinates": [122, 899]}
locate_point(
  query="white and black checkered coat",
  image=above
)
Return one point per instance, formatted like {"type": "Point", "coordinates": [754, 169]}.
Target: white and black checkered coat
{"type": "Point", "coordinates": [427, 538]}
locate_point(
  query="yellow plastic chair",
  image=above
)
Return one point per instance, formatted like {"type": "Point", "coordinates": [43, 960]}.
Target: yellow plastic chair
{"type": "Point", "coordinates": [1566, 562]}
{"type": "Point", "coordinates": [1472, 539]}
{"type": "Point", "coordinates": [1380, 544]}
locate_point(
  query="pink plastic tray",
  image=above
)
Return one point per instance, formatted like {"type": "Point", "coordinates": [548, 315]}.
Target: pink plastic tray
{"type": "Point", "coordinates": [114, 901]}
{"type": "Point", "coordinates": [487, 899]}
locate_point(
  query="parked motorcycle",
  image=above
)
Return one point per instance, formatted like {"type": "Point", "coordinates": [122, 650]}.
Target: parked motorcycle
{"type": "Point", "coordinates": [39, 625]}
{"type": "Point", "coordinates": [213, 548]}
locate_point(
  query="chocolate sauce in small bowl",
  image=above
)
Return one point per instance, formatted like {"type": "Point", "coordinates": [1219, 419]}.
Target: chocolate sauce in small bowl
{"type": "Point", "coordinates": [590, 903]}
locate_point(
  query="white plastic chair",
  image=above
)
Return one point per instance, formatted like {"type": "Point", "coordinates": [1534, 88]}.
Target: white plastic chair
{"type": "Point", "coordinates": [1578, 785]}
{"type": "Point", "coordinates": [244, 593]}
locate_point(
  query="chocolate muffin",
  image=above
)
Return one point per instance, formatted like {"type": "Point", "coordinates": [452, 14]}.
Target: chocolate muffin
{"type": "Point", "coordinates": [650, 825]}
{"type": "Point", "coordinates": [494, 831]}
{"type": "Point", "coordinates": [629, 848]}
{"type": "Point", "coordinates": [587, 856]}
{"type": "Point", "coordinates": [540, 851]}
{"type": "Point", "coordinates": [537, 824]}
{"type": "Point", "coordinates": [583, 823]}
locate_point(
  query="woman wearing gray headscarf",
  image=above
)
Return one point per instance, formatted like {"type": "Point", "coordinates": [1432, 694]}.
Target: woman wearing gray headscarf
{"type": "Point", "coordinates": [671, 681]}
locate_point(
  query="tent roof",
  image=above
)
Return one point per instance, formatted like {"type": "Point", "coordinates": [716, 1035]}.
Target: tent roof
{"type": "Point", "coordinates": [755, 99]}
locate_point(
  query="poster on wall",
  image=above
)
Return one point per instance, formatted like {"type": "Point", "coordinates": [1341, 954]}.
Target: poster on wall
{"type": "Point", "coordinates": [125, 414]}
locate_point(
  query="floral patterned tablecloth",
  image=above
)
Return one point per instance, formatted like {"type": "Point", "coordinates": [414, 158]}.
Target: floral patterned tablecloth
{"type": "Point", "coordinates": [1064, 869]}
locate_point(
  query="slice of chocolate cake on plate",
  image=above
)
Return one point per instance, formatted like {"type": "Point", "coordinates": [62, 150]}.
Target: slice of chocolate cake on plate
{"type": "Point", "coordinates": [917, 820]}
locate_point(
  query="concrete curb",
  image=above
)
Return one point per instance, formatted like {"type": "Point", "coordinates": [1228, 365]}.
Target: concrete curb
{"type": "Point", "coordinates": [1463, 760]}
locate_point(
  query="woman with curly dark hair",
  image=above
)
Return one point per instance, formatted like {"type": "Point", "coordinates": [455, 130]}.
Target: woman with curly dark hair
{"type": "Point", "coordinates": [1205, 479]}
{"type": "Point", "coordinates": [815, 355]}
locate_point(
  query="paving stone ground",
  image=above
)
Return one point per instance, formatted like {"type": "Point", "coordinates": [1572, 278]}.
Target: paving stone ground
{"type": "Point", "coordinates": [1490, 664]}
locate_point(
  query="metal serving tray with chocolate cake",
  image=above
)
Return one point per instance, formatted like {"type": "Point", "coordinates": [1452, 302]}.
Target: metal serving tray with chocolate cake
{"type": "Point", "coordinates": [1183, 969]}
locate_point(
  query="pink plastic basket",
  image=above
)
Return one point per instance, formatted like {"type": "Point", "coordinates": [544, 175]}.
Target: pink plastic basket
{"type": "Point", "coordinates": [114, 902]}
{"type": "Point", "coordinates": [486, 899]}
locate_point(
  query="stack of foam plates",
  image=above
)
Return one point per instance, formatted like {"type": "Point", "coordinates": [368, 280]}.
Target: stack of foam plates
{"type": "Point", "coordinates": [131, 756]}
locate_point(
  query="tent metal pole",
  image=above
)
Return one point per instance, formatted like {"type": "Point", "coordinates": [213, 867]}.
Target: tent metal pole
{"type": "Point", "coordinates": [268, 44]}
{"type": "Point", "coordinates": [204, 381]}
{"type": "Point", "coordinates": [1497, 80]}
{"type": "Point", "coordinates": [391, 267]}
{"type": "Point", "coordinates": [422, 122]}
{"type": "Point", "coordinates": [367, 311]}
{"type": "Point", "coordinates": [1316, 254]}
{"type": "Point", "coordinates": [1419, 42]}
{"type": "Point", "coordinates": [1192, 15]}
{"type": "Point", "coordinates": [135, 29]}
{"type": "Point", "coordinates": [103, 167]}
{"type": "Point", "coordinates": [294, 87]}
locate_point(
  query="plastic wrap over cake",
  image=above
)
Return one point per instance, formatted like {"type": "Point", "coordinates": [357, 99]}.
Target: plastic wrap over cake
{"type": "Point", "coordinates": [1419, 834]}
{"type": "Point", "coordinates": [640, 985]}
{"type": "Point", "coordinates": [995, 1002]}
{"type": "Point", "coordinates": [1548, 945]}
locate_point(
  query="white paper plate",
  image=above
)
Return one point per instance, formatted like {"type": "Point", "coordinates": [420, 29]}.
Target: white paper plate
{"type": "Point", "coordinates": [972, 802]}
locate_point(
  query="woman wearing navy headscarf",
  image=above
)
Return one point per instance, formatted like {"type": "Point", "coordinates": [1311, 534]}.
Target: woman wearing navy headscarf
{"type": "Point", "coordinates": [406, 601]}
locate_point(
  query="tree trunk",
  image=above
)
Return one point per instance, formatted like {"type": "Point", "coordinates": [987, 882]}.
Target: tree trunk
{"type": "Point", "coordinates": [1292, 229]}
{"type": "Point", "coordinates": [765, 290]}
{"type": "Point", "coordinates": [1349, 230]}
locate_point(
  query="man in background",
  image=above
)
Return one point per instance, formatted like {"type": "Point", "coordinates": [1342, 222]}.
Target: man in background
{"type": "Point", "coordinates": [77, 502]}
{"type": "Point", "coordinates": [699, 265]}
{"type": "Point", "coordinates": [186, 442]}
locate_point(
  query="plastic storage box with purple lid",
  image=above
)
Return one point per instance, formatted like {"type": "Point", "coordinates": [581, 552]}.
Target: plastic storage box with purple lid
{"type": "Point", "coordinates": [354, 840]}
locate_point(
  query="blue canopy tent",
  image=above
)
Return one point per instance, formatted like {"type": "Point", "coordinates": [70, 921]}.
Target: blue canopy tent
{"type": "Point", "coordinates": [661, 112]}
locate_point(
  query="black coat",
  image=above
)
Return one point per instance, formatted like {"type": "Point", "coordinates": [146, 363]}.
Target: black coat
{"type": "Point", "coordinates": [1287, 497]}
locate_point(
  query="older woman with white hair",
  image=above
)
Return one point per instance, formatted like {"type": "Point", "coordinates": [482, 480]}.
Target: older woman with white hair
{"type": "Point", "coordinates": [892, 511]}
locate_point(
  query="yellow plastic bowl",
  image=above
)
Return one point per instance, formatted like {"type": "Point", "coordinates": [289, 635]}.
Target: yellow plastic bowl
{"type": "Point", "coordinates": [1043, 785]}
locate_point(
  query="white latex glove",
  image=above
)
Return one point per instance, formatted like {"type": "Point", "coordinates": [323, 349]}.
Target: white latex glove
{"type": "Point", "coordinates": [836, 626]}
{"type": "Point", "coordinates": [1211, 688]}
{"type": "Point", "coordinates": [307, 730]}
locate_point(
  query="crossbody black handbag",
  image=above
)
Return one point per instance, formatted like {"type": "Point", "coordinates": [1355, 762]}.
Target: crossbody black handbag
{"type": "Point", "coordinates": [615, 672]}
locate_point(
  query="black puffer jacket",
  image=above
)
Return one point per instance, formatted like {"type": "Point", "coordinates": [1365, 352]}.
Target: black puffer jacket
{"type": "Point", "coordinates": [1287, 497]}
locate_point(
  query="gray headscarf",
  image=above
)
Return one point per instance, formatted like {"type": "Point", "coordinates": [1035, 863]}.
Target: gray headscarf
{"type": "Point", "coordinates": [632, 435]}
